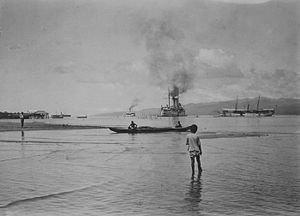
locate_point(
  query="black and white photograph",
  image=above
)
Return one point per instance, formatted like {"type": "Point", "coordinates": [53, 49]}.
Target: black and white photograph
{"type": "Point", "coordinates": [149, 107]}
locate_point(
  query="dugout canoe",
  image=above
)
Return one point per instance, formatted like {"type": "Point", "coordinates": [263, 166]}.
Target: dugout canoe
{"type": "Point", "coordinates": [146, 129]}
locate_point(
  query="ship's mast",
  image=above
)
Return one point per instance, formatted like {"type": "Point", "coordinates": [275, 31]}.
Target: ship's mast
{"type": "Point", "coordinates": [169, 96]}
{"type": "Point", "coordinates": [257, 107]}
{"type": "Point", "coordinates": [236, 103]}
{"type": "Point", "coordinates": [248, 105]}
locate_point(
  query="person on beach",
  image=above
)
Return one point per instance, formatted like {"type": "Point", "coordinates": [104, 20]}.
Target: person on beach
{"type": "Point", "coordinates": [132, 126]}
{"type": "Point", "coordinates": [194, 148]}
{"type": "Point", "coordinates": [178, 125]}
{"type": "Point", "coordinates": [21, 116]}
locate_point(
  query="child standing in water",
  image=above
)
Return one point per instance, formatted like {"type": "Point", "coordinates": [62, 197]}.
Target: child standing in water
{"type": "Point", "coordinates": [21, 116]}
{"type": "Point", "coordinates": [194, 148]}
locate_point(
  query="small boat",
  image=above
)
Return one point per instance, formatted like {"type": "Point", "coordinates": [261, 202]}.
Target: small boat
{"type": "Point", "coordinates": [66, 115]}
{"type": "Point", "coordinates": [61, 115]}
{"type": "Point", "coordinates": [57, 116]}
{"type": "Point", "coordinates": [147, 129]}
{"type": "Point", "coordinates": [82, 116]}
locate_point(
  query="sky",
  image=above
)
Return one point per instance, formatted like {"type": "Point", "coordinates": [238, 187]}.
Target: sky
{"type": "Point", "coordinates": [90, 57]}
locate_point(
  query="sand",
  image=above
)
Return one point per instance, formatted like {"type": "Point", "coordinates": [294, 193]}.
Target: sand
{"type": "Point", "coordinates": [228, 134]}
{"type": "Point", "coordinates": [30, 126]}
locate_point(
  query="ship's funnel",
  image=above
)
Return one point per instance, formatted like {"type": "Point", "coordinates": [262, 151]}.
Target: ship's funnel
{"type": "Point", "coordinates": [174, 92]}
{"type": "Point", "coordinates": [176, 101]}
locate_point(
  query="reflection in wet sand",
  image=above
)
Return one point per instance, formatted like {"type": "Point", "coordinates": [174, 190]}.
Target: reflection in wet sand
{"type": "Point", "coordinates": [22, 135]}
{"type": "Point", "coordinates": [193, 195]}
{"type": "Point", "coordinates": [22, 144]}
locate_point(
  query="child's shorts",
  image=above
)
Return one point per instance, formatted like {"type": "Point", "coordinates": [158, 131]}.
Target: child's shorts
{"type": "Point", "coordinates": [194, 153]}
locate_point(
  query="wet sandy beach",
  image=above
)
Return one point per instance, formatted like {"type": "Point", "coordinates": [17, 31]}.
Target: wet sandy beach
{"type": "Point", "coordinates": [98, 172]}
{"type": "Point", "coordinates": [29, 126]}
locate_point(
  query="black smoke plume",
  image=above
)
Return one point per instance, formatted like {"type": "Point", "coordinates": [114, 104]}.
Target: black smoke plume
{"type": "Point", "coordinates": [170, 60]}
{"type": "Point", "coordinates": [134, 103]}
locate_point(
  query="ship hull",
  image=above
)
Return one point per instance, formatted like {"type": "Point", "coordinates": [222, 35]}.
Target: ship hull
{"type": "Point", "coordinates": [172, 112]}
{"type": "Point", "coordinates": [57, 116]}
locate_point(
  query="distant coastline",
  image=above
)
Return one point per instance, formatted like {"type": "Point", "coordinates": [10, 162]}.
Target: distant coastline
{"type": "Point", "coordinates": [282, 106]}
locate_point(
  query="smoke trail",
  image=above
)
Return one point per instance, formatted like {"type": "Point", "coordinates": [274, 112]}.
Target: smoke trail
{"type": "Point", "coordinates": [171, 62]}
{"type": "Point", "coordinates": [134, 103]}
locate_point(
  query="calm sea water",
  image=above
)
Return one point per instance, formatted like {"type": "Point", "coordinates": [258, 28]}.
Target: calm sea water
{"type": "Point", "coordinates": [98, 172]}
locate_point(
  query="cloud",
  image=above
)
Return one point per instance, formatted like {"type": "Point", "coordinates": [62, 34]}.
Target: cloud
{"type": "Point", "coordinates": [66, 68]}
{"type": "Point", "coordinates": [117, 50]}
{"type": "Point", "coordinates": [211, 45]}
{"type": "Point", "coordinates": [127, 73]}
{"type": "Point", "coordinates": [15, 47]}
{"type": "Point", "coordinates": [279, 83]}
{"type": "Point", "coordinates": [214, 57]}
{"type": "Point", "coordinates": [215, 63]}
{"type": "Point", "coordinates": [124, 74]}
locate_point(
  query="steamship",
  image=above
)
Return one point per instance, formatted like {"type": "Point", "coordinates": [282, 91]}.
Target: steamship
{"type": "Point", "coordinates": [227, 112]}
{"type": "Point", "coordinates": [129, 114]}
{"type": "Point", "coordinates": [173, 110]}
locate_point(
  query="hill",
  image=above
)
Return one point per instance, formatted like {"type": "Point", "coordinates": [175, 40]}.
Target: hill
{"type": "Point", "coordinates": [282, 106]}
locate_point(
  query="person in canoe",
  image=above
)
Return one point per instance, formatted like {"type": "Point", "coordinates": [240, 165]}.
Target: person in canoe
{"type": "Point", "coordinates": [194, 149]}
{"type": "Point", "coordinates": [178, 125]}
{"type": "Point", "coordinates": [132, 126]}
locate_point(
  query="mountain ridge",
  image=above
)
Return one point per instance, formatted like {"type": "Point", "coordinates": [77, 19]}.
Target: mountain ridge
{"type": "Point", "coordinates": [282, 106]}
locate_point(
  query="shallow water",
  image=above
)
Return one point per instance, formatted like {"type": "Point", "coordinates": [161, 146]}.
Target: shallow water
{"type": "Point", "coordinates": [97, 172]}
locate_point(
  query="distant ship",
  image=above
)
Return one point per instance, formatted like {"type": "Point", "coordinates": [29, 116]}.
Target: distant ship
{"type": "Point", "coordinates": [233, 112]}
{"type": "Point", "coordinates": [57, 116]}
{"type": "Point", "coordinates": [260, 112]}
{"type": "Point", "coordinates": [230, 112]}
{"type": "Point", "coordinates": [175, 109]}
{"type": "Point", "coordinates": [61, 115]}
{"type": "Point", "coordinates": [82, 116]}
{"type": "Point", "coordinates": [130, 114]}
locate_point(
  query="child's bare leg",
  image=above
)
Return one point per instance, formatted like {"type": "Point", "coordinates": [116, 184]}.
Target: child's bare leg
{"type": "Point", "coordinates": [199, 164]}
{"type": "Point", "coordinates": [193, 166]}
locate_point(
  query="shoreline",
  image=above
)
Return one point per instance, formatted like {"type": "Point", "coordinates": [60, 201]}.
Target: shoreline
{"type": "Point", "coordinates": [35, 126]}
{"type": "Point", "coordinates": [40, 126]}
